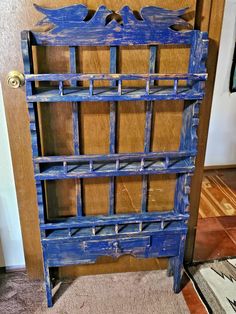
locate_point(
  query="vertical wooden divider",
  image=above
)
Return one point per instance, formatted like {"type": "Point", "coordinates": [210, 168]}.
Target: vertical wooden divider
{"type": "Point", "coordinates": [76, 133]}
{"type": "Point", "coordinates": [113, 122]}
{"type": "Point", "coordinates": [148, 128]}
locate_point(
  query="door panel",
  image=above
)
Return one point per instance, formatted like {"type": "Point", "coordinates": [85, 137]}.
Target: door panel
{"type": "Point", "coordinates": [94, 126]}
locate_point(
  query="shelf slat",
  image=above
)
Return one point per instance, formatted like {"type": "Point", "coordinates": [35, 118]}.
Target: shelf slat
{"type": "Point", "coordinates": [101, 220]}
{"type": "Point", "coordinates": [109, 169]}
{"type": "Point", "coordinates": [113, 157]}
{"type": "Point", "coordinates": [113, 76]}
{"type": "Point", "coordinates": [51, 94]}
{"type": "Point", "coordinates": [111, 232]}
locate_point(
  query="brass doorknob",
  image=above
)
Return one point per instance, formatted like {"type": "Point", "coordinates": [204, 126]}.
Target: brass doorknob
{"type": "Point", "coordinates": [15, 79]}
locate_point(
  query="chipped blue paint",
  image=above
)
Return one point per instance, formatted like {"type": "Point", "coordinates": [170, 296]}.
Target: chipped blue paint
{"type": "Point", "coordinates": [83, 239]}
{"type": "Point", "coordinates": [113, 122]}
{"type": "Point", "coordinates": [154, 26]}
{"type": "Point", "coordinates": [148, 125]}
{"type": "Point", "coordinates": [76, 133]}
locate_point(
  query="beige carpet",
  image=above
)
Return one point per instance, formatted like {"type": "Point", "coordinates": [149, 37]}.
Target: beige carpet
{"type": "Point", "coordinates": [128, 293]}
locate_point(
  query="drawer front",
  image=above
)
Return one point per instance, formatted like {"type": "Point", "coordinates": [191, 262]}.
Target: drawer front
{"type": "Point", "coordinates": [122, 245]}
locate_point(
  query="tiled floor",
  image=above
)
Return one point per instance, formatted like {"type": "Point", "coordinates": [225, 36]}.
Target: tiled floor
{"type": "Point", "coordinates": [191, 297]}
{"type": "Point", "coordinates": [218, 196]}
{"type": "Point", "coordinates": [216, 234]}
{"type": "Point", "coordinates": [216, 229]}
{"type": "Point", "coordinates": [216, 238]}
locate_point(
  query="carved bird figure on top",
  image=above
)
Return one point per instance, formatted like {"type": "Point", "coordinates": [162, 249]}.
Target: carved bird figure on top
{"type": "Point", "coordinates": [75, 15]}
{"type": "Point", "coordinates": [153, 17]}
{"type": "Point", "coordinates": [72, 14]}
{"type": "Point", "coordinates": [163, 18]}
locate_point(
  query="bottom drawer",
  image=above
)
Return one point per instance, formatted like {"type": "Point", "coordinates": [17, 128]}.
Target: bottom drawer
{"type": "Point", "coordinates": [76, 251]}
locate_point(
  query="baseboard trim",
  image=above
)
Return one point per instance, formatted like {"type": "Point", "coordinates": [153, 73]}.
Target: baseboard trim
{"type": "Point", "coordinates": [9, 269]}
{"type": "Point", "coordinates": [218, 167]}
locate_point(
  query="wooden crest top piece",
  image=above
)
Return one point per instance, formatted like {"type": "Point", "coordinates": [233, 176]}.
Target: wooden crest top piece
{"type": "Point", "coordinates": [76, 25]}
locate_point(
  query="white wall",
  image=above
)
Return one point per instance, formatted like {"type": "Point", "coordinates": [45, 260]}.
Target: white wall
{"type": "Point", "coordinates": [221, 145]}
{"type": "Point", "coordinates": [11, 248]}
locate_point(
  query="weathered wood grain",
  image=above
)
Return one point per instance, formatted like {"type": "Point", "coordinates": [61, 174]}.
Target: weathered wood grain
{"type": "Point", "coordinates": [101, 220]}
{"type": "Point", "coordinates": [109, 94]}
{"type": "Point", "coordinates": [76, 131]}
{"type": "Point", "coordinates": [152, 27]}
{"type": "Point", "coordinates": [115, 77]}
{"type": "Point", "coordinates": [113, 126]}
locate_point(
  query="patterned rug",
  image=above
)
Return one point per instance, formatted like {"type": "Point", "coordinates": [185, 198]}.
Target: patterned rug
{"type": "Point", "coordinates": [217, 198]}
{"type": "Point", "coordinates": [215, 283]}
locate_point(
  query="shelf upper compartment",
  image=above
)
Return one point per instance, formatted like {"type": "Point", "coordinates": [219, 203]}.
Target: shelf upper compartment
{"type": "Point", "coordinates": [87, 166]}
{"type": "Point", "coordinates": [116, 92]}
{"type": "Point", "coordinates": [117, 222]}
{"type": "Point", "coordinates": [110, 94]}
{"type": "Point", "coordinates": [111, 231]}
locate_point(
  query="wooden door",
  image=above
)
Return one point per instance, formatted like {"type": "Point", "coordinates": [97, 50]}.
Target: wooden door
{"type": "Point", "coordinates": [20, 15]}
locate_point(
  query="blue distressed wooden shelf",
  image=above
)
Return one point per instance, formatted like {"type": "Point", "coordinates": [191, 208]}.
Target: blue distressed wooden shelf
{"type": "Point", "coordinates": [83, 239]}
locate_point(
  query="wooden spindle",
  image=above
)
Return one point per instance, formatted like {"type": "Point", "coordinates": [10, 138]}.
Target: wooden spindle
{"type": "Point", "coordinates": [61, 88]}
{"type": "Point", "coordinates": [167, 160]}
{"type": "Point", "coordinates": [91, 87]}
{"type": "Point", "coordinates": [117, 164]}
{"type": "Point", "coordinates": [119, 87]}
{"type": "Point", "coordinates": [162, 224]}
{"type": "Point", "coordinates": [65, 167]}
{"type": "Point", "coordinates": [142, 164]}
{"type": "Point", "coordinates": [91, 165]}
{"type": "Point", "coordinates": [147, 86]}
{"type": "Point", "coordinates": [140, 227]}
{"type": "Point", "coordinates": [176, 86]}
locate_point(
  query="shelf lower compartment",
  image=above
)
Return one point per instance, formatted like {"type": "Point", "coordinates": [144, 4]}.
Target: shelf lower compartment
{"type": "Point", "coordinates": [44, 94]}
{"type": "Point", "coordinates": [64, 251]}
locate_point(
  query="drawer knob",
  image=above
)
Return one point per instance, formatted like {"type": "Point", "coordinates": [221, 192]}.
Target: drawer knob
{"type": "Point", "coordinates": [116, 246]}
{"type": "Point", "coordinates": [15, 79]}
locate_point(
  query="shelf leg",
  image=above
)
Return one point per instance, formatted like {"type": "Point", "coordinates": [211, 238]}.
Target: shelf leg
{"type": "Point", "coordinates": [170, 267]}
{"type": "Point", "coordinates": [48, 286]}
{"type": "Point", "coordinates": [178, 266]}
